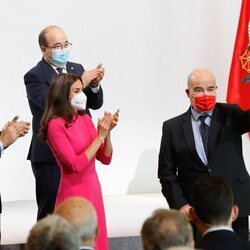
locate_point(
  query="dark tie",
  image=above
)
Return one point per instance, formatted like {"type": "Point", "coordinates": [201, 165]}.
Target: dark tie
{"type": "Point", "coordinates": [204, 130]}
{"type": "Point", "coordinates": [59, 70]}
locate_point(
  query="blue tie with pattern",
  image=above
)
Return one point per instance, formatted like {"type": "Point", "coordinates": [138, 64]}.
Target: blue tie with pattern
{"type": "Point", "coordinates": [204, 130]}
{"type": "Point", "coordinates": [60, 70]}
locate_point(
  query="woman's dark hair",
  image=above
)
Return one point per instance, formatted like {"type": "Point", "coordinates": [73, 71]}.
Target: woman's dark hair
{"type": "Point", "coordinates": [57, 102]}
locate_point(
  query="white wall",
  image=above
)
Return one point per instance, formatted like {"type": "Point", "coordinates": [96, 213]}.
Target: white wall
{"type": "Point", "coordinates": [148, 47]}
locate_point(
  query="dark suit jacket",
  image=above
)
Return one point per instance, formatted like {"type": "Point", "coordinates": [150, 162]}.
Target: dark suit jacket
{"type": "Point", "coordinates": [180, 165]}
{"type": "Point", "coordinates": [37, 82]}
{"type": "Point", "coordinates": [222, 240]}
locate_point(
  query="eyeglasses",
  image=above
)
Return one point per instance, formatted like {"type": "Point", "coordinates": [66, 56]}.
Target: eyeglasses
{"type": "Point", "coordinates": [60, 46]}
{"type": "Point", "coordinates": [199, 90]}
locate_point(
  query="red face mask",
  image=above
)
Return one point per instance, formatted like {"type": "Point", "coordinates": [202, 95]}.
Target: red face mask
{"type": "Point", "coordinates": [204, 102]}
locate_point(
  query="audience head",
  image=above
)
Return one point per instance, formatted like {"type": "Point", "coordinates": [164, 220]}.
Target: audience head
{"type": "Point", "coordinates": [53, 233]}
{"type": "Point", "coordinates": [166, 228]}
{"type": "Point", "coordinates": [201, 90]}
{"type": "Point", "coordinates": [213, 203]}
{"type": "Point", "coordinates": [59, 100]}
{"type": "Point", "coordinates": [81, 214]}
{"type": "Point", "coordinates": [54, 45]}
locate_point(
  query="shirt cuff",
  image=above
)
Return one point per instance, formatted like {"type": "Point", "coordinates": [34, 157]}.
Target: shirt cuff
{"type": "Point", "coordinates": [1, 148]}
{"type": "Point", "coordinates": [95, 89]}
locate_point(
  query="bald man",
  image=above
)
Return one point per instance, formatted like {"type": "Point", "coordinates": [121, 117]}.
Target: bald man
{"type": "Point", "coordinates": [55, 49]}
{"type": "Point", "coordinates": [205, 140]}
{"type": "Point", "coordinates": [81, 214]}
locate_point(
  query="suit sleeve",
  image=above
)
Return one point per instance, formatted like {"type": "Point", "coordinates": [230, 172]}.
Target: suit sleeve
{"type": "Point", "coordinates": [167, 172]}
{"type": "Point", "coordinates": [36, 90]}
{"type": "Point", "coordinates": [242, 119]}
{"type": "Point", "coordinates": [56, 138]}
{"type": "Point", "coordinates": [94, 100]}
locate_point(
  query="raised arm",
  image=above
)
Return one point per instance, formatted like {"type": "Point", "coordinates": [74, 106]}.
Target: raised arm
{"type": "Point", "coordinates": [77, 162]}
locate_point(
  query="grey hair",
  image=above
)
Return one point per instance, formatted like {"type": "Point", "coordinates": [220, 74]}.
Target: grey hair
{"type": "Point", "coordinates": [53, 233]}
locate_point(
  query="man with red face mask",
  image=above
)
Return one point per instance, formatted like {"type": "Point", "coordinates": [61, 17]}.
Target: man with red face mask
{"type": "Point", "coordinates": [205, 140]}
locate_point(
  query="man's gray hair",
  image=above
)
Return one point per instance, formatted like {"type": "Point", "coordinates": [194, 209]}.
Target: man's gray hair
{"type": "Point", "coordinates": [166, 228]}
{"type": "Point", "coordinates": [53, 233]}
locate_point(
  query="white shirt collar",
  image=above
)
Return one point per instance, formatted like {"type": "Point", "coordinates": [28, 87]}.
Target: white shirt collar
{"type": "Point", "coordinates": [86, 247]}
{"type": "Point", "coordinates": [55, 67]}
{"type": "Point", "coordinates": [196, 114]}
{"type": "Point", "coordinates": [217, 228]}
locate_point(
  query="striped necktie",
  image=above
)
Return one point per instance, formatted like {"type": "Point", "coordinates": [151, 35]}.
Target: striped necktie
{"type": "Point", "coordinates": [204, 131]}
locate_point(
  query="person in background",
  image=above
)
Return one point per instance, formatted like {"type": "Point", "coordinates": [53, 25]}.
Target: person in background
{"type": "Point", "coordinates": [205, 140]}
{"type": "Point", "coordinates": [166, 228]}
{"type": "Point", "coordinates": [213, 212]}
{"type": "Point", "coordinates": [53, 233]}
{"type": "Point", "coordinates": [11, 131]}
{"type": "Point", "coordinates": [65, 122]}
{"type": "Point", "coordinates": [55, 48]}
{"type": "Point", "coordinates": [81, 214]}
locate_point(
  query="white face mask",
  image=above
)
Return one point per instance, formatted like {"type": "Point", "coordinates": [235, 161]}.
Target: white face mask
{"type": "Point", "coordinates": [79, 101]}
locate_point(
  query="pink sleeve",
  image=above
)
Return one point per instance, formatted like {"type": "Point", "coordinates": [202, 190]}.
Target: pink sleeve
{"type": "Point", "coordinates": [62, 148]}
{"type": "Point", "coordinates": [100, 156]}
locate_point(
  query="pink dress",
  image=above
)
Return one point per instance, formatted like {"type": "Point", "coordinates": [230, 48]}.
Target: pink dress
{"type": "Point", "coordinates": [78, 175]}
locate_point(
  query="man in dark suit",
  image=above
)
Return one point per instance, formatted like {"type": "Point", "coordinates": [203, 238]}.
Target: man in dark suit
{"type": "Point", "coordinates": [213, 212]}
{"type": "Point", "coordinates": [55, 48]}
{"type": "Point", "coordinates": [193, 147]}
{"type": "Point", "coordinates": [9, 134]}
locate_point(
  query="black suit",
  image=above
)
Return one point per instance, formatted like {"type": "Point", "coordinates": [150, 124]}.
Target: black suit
{"type": "Point", "coordinates": [222, 240]}
{"type": "Point", "coordinates": [44, 165]}
{"type": "Point", "coordinates": [178, 154]}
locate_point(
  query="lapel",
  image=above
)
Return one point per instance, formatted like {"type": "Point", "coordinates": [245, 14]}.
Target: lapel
{"type": "Point", "coordinates": [48, 69]}
{"type": "Point", "coordinates": [189, 135]}
{"type": "Point", "coordinates": [214, 129]}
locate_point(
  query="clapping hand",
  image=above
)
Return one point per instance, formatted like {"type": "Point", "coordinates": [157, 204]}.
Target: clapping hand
{"type": "Point", "coordinates": [12, 130]}
{"type": "Point", "coordinates": [107, 123]}
{"type": "Point", "coordinates": [115, 119]}
{"type": "Point", "coordinates": [94, 76]}
{"type": "Point", "coordinates": [104, 125]}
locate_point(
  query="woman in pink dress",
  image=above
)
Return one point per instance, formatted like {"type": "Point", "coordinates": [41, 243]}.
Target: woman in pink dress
{"type": "Point", "coordinates": [76, 144]}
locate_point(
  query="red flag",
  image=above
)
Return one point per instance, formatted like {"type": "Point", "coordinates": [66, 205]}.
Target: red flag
{"type": "Point", "coordinates": [239, 79]}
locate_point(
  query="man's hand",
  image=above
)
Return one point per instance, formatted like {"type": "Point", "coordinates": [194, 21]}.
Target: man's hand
{"type": "Point", "coordinates": [93, 77]}
{"type": "Point", "coordinates": [13, 130]}
{"type": "Point", "coordinates": [185, 210]}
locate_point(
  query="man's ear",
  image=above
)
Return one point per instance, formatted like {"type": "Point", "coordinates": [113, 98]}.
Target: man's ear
{"type": "Point", "coordinates": [187, 92]}
{"type": "Point", "coordinates": [235, 212]}
{"type": "Point", "coordinates": [96, 232]}
{"type": "Point", "coordinates": [43, 49]}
